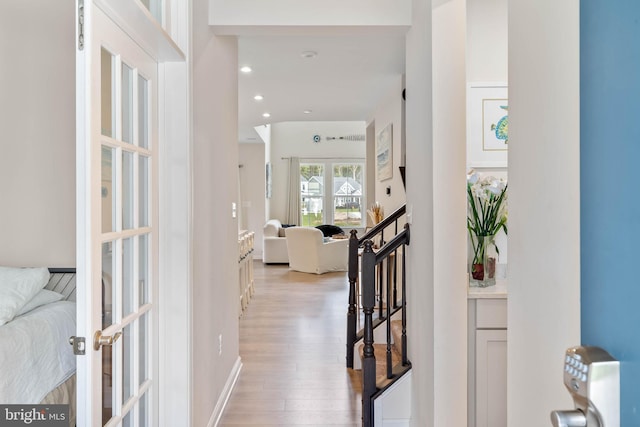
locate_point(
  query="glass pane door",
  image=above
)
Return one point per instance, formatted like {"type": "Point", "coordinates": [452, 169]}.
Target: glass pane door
{"type": "Point", "coordinates": [127, 232]}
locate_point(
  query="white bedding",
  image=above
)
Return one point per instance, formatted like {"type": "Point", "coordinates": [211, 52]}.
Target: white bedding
{"type": "Point", "coordinates": [35, 355]}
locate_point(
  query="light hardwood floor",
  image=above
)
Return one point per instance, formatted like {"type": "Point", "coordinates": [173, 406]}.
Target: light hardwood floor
{"type": "Point", "coordinates": [292, 345]}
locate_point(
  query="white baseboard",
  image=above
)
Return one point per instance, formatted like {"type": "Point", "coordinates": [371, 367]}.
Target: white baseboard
{"type": "Point", "coordinates": [395, 423]}
{"type": "Point", "coordinates": [226, 393]}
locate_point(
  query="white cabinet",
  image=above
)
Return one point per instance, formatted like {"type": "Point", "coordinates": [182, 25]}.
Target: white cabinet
{"type": "Point", "coordinates": [487, 364]}
{"type": "Point", "coordinates": [491, 378]}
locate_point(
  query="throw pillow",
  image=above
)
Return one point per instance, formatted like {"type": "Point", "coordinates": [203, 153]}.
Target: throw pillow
{"type": "Point", "coordinates": [43, 297]}
{"type": "Point", "coordinates": [329, 230]}
{"type": "Point", "coordinates": [17, 287]}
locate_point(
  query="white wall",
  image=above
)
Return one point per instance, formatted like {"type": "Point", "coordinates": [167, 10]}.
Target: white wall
{"type": "Point", "coordinates": [252, 184]}
{"type": "Point", "coordinates": [37, 118]}
{"type": "Point", "coordinates": [390, 112]}
{"type": "Point", "coordinates": [371, 168]}
{"type": "Point", "coordinates": [215, 305]}
{"type": "Point", "coordinates": [233, 16]}
{"type": "Point", "coordinates": [296, 139]}
{"type": "Point", "coordinates": [449, 213]}
{"type": "Point", "coordinates": [265, 133]}
{"type": "Point", "coordinates": [175, 246]}
{"type": "Point", "coordinates": [420, 292]}
{"type": "Point", "coordinates": [487, 40]}
{"type": "Point", "coordinates": [544, 217]}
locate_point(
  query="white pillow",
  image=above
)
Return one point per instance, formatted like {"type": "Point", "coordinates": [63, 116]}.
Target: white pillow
{"type": "Point", "coordinates": [45, 296]}
{"type": "Point", "coordinates": [17, 287]}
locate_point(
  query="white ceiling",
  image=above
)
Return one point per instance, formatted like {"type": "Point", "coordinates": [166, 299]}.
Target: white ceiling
{"type": "Point", "coordinates": [346, 80]}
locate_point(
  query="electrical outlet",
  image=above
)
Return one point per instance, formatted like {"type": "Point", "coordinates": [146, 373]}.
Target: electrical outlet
{"type": "Point", "coordinates": [220, 345]}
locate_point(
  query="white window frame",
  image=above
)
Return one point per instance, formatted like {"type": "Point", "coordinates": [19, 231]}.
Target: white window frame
{"type": "Point", "coordinates": [328, 196]}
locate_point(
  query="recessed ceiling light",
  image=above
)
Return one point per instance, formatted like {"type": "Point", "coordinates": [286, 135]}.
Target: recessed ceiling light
{"type": "Point", "coordinates": [307, 111]}
{"type": "Point", "coordinates": [309, 54]}
{"type": "Point", "coordinates": [246, 69]}
{"type": "Point", "coordinates": [265, 115]}
{"type": "Point", "coordinates": [258, 97]}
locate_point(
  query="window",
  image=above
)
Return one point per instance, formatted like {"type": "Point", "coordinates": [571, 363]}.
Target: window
{"type": "Point", "coordinates": [312, 194]}
{"type": "Point", "coordinates": [332, 192]}
{"type": "Point", "coordinates": [347, 194]}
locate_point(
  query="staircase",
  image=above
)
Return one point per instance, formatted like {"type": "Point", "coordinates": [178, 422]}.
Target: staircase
{"type": "Point", "coordinates": [377, 282]}
{"type": "Point", "coordinates": [380, 354]}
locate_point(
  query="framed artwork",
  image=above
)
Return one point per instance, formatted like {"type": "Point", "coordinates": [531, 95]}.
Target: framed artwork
{"type": "Point", "coordinates": [268, 180]}
{"type": "Point", "coordinates": [487, 124]}
{"type": "Point", "coordinates": [384, 153]}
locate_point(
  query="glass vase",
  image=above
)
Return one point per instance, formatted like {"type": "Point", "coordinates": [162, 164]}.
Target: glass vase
{"type": "Point", "coordinates": [484, 256]}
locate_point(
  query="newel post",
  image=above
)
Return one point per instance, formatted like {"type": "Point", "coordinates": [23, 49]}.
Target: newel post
{"type": "Point", "coordinates": [369, 359]}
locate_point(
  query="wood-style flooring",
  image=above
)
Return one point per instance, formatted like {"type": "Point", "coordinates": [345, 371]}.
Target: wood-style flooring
{"type": "Point", "coordinates": [292, 345]}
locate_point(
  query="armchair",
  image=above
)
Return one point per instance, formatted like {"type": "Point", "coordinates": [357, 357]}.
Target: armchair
{"type": "Point", "coordinates": [274, 243]}
{"type": "Point", "coordinates": [309, 253]}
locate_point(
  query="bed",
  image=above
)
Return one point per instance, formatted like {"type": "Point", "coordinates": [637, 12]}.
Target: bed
{"type": "Point", "coordinates": [37, 317]}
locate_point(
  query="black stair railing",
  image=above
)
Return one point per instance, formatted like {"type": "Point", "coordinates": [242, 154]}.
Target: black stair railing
{"type": "Point", "coordinates": [391, 224]}
{"type": "Point", "coordinates": [372, 261]}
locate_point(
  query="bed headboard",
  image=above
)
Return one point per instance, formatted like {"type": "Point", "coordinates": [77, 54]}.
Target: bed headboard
{"type": "Point", "coordinates": [63, 280]}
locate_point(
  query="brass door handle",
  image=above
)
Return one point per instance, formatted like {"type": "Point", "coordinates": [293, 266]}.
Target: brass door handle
{"type": "Point", "coordinates": [99, 340]}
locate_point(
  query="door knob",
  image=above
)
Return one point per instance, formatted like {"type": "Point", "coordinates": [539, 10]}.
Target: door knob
{"type": "Point", "coordinates": [99, 340]}
{"type": "Point", "coordinates": [573, 418]}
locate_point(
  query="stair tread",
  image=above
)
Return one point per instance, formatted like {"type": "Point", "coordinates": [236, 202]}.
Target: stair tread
{"type": "Point", "coordinates": [398, 370]}
{"type": "Point", "coordinates": [380, 353]}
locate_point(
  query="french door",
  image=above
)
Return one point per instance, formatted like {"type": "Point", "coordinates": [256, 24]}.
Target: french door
{"type": "Point", "coordinates": [117, 225]}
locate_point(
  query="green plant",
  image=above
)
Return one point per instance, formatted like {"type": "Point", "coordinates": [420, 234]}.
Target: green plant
{"type": "Point", "coordinates": [487, 210]}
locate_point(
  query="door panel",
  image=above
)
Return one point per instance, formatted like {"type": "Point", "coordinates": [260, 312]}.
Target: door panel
{"type": "Point", "coordinates": [117, 251]}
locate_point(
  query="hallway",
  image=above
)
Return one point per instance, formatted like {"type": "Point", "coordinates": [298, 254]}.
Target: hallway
{"type": "Point", "coordinates": [292, 345]}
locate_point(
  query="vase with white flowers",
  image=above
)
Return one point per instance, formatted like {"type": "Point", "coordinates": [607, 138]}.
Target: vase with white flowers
{"type": "Point", "coordinates": [486, 216]}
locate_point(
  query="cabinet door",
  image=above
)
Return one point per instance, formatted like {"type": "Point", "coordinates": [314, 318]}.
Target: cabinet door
{"type": "Point", "coordinates": [491, 378]}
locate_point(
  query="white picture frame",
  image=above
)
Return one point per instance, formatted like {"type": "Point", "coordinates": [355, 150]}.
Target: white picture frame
{"type": "Point", "coordinates": [384, 153]}
{"type": "Point", "coordinates": [487, 125]}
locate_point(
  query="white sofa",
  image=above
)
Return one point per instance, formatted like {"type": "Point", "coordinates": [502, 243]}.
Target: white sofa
{"type": "Point", "coordinates": [274, 249]}
{"type": "Point", "coordinates": [310, 253]}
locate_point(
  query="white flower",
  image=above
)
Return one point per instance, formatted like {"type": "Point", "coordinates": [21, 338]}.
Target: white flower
{"type": "Point", "coordinates": [480, 192]}
{"type": "Point", "coordinates": [497, 186]}
{"type": "Point", "coordinates": [472, 177]}
{"type": "Point", "coordinates": [487, 208]}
